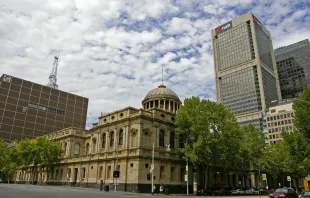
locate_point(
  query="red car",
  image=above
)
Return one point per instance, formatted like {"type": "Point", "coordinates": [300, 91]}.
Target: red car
{"type": "Point", "coordinates": [284, 193]}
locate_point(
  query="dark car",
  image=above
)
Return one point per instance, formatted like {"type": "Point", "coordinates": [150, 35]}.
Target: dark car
{"type": "Point", "coordinates": [284, 193]}
{"type": "Point", "coordinates": [306, 195]}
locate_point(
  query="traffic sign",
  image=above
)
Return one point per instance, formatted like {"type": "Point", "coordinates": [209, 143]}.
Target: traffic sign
{"type": "Point", "coordinates": [152, 167]}
{"type": "Point", "coordinates": [185, 177]}
{"type": "Point", "coordinates": [264, 177]}
{"type": "Point", "coordinates": [289, 178]}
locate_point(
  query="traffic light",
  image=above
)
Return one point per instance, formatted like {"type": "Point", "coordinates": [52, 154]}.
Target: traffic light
{"type": "Point", "coordinates": [148, 176]}
{"type": "Point", "coordinates": [116, 174]}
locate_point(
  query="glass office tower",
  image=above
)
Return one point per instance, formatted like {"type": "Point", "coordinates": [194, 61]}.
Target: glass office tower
{"type": "Point", "coordinates": [245, 69]}
{"type": "Point", "coordinates": [293, 64]}
{"type": "Point", "coordinates": [29, 110]}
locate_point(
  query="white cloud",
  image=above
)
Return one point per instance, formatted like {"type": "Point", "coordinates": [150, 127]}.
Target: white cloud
{"type": "Point", "coordinates": [112, 51]}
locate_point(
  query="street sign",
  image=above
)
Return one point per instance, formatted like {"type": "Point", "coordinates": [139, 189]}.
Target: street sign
{"type": "Point", "coordinates": [152, 167]}
{"type": "Point", "coordinates": [264, 177]}
{"type": "Point", "coordinates": [186, 167]}
{"type": "Point", "coordinates": [185, 177]}
{"type": "Point", "coordinates": [289, 178]}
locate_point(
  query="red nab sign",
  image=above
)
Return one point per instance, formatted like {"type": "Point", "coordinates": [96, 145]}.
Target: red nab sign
{"type": "Point", "coordinates": [256, 21]}
{"type": "Point", "coordinates": [224, 27]}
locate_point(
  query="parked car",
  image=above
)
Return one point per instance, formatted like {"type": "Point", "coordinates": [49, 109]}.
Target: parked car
{"type": "Point", "coordinates": [263, 191]}
{"type": "Point", "coordinates": [284, 193]}
{"type": "Point", "coordinates": [251, 192]}
{"type": "Point", "coordinates": [305, 195]}
{"type": "Point", "coordinates": [237, 192]}
{"type": "Point", "coordinates": [222, 192]}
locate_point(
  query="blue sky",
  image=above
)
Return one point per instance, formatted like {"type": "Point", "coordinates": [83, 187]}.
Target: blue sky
{"type": "Point", "coordinates": [112, 51]}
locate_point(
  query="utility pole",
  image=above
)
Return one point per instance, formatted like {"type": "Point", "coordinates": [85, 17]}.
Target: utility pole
{"type": "Point", "coordinates": [187, 176]}
{"type": "Point", "coordinates": [116, 164]}
{"type": "Point", "coordinates": [152, 169]}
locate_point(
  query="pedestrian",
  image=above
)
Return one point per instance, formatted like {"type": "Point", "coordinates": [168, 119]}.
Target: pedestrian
{"type": "Point", "coordinates": [154, 188]}
{"type": "Point", "coordinates": [161, 189]}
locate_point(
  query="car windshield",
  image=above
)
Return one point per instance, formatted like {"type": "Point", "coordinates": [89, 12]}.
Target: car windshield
{"type": "Point", "coordinates": [281, 190]}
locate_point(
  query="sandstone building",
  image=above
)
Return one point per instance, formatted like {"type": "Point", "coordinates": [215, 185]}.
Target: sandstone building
{"type": "Point", "coordinates": [122, 140]}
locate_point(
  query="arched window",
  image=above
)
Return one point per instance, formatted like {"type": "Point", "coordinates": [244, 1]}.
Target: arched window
{"type": "Point", "coordinates": [104, 140]}
{"type": "Point", "coordinates": [181, 143]}
{"type": "Point", "coordinates": [171, 139]}
{"type": "Point", "coordinates": [112, 138]}
{"type": "Point", "coordinates": [87, 149]}
{"type": "Point", "coordinates": [162, 138]}
{"type": "Point", "coordinates": [120, 137]}
{"type": "Point", "coordinates": [77, 149]}
{"type": "Point", "coordinates": [94, 146]}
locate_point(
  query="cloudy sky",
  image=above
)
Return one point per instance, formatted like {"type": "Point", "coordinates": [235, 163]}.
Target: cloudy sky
{"type": "Point", "coordinates": [112, 51]}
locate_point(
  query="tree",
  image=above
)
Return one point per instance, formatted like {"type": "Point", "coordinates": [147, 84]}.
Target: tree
{"type": "Point", "coordinates": [252, 145]}
{"type": "Point", "coordinates": [212, 134]}
{"type": "Point", "coordinates": [299, 149]}
{"type": "Point", "coordinates": [277, 159]}
{"type": "Point", "coordinates": [3, 147]}
{"type": "Point", "coordinates": [12, 162]}
{"type": "Point", "coordinates": [302, 112]}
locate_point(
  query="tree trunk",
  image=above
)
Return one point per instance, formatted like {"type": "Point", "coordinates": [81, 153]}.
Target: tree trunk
{"type": "Point", "coordinates": [207, 176]}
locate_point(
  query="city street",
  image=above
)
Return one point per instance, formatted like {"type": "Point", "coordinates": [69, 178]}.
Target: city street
{"type": "Point", "coordinates": [30, 191]}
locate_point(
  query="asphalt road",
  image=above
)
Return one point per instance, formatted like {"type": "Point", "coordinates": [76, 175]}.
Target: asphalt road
{"type": "Point", "coordinates": [35, 191]}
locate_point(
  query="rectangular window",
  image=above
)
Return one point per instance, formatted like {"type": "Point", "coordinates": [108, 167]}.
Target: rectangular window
{"type": "Point", "coordinates": [288, 115]}
{"type": "Point", "coordinates": [83, 173]}
{"type": "Point", "coordinates": [182, 176]}
{"type": "Point", "coordinates": [100, 171]}
{"type": "Point", "coordinates": [109, 173]}
{"type": "Point", "coordinates": [172, 173]}
{"type": "Point", "coordinates": [162, 172]}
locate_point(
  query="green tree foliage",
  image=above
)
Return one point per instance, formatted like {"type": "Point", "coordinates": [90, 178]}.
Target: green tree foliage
{"type": "Point", "coordinates": [36, 154]}
{"type": "Point", "coordinates": [277, 159]}
{"type": "Point", "coordinates": [12, 162]}
{"type": "Point", "coordinates": [299, 149]}
{"type": "Point", "coordinates": [3, 148]}
{"type": "Point", "coordinates": [252, 146]}
{"type": "Point", "coordinates": [211, 132]}
{"type": "Point", "coordinates": [302, 112]}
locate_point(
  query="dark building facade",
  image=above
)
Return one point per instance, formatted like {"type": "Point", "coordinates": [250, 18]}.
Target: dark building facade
{"type": "Point", "coordinates": [293, 64]}
{"type": "Point", "coordinates": [29, 110]}
{"type": "Point", "coordinates": [245, 69]}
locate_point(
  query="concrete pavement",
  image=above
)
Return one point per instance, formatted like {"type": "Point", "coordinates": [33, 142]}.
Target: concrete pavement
{"type": "Point", "coordinates": [36, 191]}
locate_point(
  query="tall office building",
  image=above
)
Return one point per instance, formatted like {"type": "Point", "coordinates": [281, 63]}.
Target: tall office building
{"type": "Point", "coordinates": [245, 68]}
{"type": "Point", "coordinates": [29, 110]}
{"type": "Point", "coordinates": [293, 64]}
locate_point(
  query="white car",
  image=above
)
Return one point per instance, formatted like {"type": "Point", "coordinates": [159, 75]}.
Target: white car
{"type": "Point", "coordinates": [237, 192]}
{"type": "Point", "coordinates": [251, 192]}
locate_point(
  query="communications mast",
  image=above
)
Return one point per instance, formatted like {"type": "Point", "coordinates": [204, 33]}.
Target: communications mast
{"type": "Point", "coordinates": [53, 75]}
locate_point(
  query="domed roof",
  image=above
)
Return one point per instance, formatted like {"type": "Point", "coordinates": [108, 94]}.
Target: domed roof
{"type": "Point", "coordinates": [162, 91]}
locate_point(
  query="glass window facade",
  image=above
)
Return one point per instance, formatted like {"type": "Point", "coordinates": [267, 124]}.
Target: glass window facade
{"type": "Point", "coordinates": [240, 91]}
{"type": "Point", "coordinates": [29, 110]}
{"type": "Point", "coordinates": [270, 87]}
{"type": "Point", "coordinates": [293, 63]}
{"type": "Point", "coordinates": [264, 49]}
{"type": "Point", "coordinates": [234, 46]}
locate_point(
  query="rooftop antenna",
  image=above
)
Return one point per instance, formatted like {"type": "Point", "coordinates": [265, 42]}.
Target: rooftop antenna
{"type": "Point", "coordinates": [53, 75]}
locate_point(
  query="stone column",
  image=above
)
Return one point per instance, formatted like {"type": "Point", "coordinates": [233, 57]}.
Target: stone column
{"type": "Point", "coordinates": [164, 104]}
{"type": "Point", "coordinates": [169, 106]}
{"type": "Point", "coordinates": [253, 180]}
{"type": "Point", "coordinates": [158, 104]}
